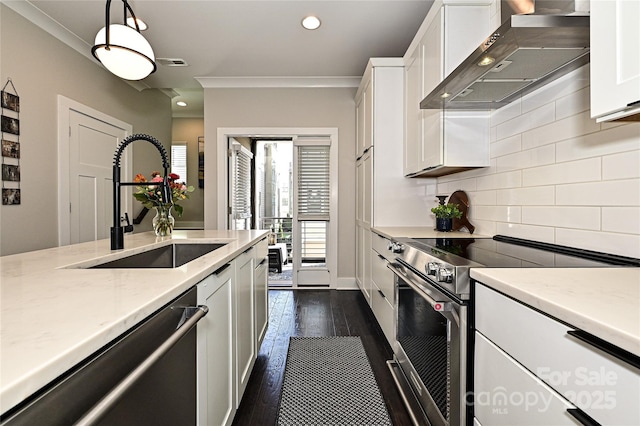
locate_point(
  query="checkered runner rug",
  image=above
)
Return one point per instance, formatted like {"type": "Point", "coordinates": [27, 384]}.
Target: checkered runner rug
{"type": "Point", "coordinates": [329, 381]}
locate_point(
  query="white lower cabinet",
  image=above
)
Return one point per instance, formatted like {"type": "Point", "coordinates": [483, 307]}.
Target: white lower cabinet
{"type": "Point", "coordinates": [382, 286]}
{"type": "Point", "coordinates": [245, 320]}
{"type": "Point", "coordinates": [508, 394]}
{"type": "Point", "coordinates": [601, 385]}
{"type": "Point", "coordinates": [215, 359]}
{"type": "Point", "coordinates": [230, 333]}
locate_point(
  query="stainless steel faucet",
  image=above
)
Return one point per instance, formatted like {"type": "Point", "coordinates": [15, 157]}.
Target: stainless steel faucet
{"type": "Point", "coordinates": [117, 231]}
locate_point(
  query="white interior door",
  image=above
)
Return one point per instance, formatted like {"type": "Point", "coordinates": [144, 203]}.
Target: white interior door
{"type": "Point", "coordinates": [240, 193]}
{"type": "Point", "coordinates": [92, 144]}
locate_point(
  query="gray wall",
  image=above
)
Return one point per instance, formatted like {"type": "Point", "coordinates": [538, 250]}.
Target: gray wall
{"type": "Point", "coordinates": [188, 130]}
{"type": "Point", "coordinates": [289, 108]}
{"type": "Point", "coordinates": [41, 67]}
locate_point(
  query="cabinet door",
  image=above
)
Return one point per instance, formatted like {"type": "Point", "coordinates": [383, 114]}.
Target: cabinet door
{"type": "Point", "coordinates": [262, 300]}
{"type": "Point", "coordinates": [245, 321]}
{"type": "Point", "coordinates": [615, 58]}
{"type": "Point", "coordinates": [368, 114]}
{"type": "Point", "coordinates": [431, 153]}
{"type": "Point", "coordinates": [360, 129]}
{"type": "Point", "coordinates": [413, 114]}
{"type": "Point", "coordinates": [367, 182]}
{"type": "Point", "coordinates": [215, 379]}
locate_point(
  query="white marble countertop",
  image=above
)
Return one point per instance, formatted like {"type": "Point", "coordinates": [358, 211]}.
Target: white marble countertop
{"type": "Point", "coordinates": [603, 301]}
{"type": "Point", "coordinates": [53, 313]}
{"type": "Point", "coordinates": [392, 232]}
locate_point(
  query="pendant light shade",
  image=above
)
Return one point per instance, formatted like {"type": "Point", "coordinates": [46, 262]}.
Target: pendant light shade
{"type": "Point", "coordinates": [123, 50]}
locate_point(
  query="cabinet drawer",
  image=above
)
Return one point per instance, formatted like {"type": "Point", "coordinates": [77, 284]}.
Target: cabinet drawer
{"type": "Point", "coordinates": [507, 394]}
{"type": "Point", "coordinates": [262, 250]}
{"type": "Point", "coordinates": [603, 386]}
{"type": "Point", "coordinates": [382, 276]}
{"type": "Point", "coordinates": [381, 245]}
{"type": "Point", "coordinates": [384, 313]}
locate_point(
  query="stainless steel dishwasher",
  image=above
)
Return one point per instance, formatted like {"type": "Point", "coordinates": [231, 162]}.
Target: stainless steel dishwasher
{"type": "Point", "coordinates": [145, 377]}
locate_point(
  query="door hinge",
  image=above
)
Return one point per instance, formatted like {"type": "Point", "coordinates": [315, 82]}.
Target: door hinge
{"type": "Point", "coordinates": [230, 210]}
{"type": "Point", "coordinates": [69, 207]}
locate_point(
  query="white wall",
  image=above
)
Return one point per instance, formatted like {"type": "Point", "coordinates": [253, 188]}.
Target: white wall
{"type": "Point", "coordinates": [284, 107]}
{"type": "Point", "coordinates": [41, 68]}
{"type": "Point", "coordinates": [556, 175]}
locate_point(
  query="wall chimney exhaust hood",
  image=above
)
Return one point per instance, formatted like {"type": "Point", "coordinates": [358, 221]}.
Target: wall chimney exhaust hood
{"type": "Point", "coordinates": [527, 51]}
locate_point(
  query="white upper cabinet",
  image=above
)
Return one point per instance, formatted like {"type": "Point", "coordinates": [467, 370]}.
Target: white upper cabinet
{"type": "Point", "coordinates": [437, 142]}
{"type": "Point", "coordinates": [615, 59]}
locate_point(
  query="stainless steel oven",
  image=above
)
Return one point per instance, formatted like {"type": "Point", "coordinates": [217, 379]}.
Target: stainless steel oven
{"type": "Point", "coordinates": [431, 346]}
{"type": "Point", "coordinates": [433, 351]}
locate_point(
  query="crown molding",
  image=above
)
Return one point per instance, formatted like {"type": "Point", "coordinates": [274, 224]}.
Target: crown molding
{"type": "Point", "coordinates": [277, 82]}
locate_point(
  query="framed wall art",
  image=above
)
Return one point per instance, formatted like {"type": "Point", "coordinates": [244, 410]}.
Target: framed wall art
{"type": "Point", "coordinates": [10, 196]}
{"type": "Point", "coordinates": [10, 101]}
{"type": "Point", "coordinates": [10, 149]}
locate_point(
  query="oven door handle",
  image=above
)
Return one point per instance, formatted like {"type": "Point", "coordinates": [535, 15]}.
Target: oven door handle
{"type": "Point", "coordinates": [444, 308]}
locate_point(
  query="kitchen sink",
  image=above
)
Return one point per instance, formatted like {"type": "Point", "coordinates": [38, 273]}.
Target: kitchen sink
{"type": "Point", "coordinates": [170, 256]}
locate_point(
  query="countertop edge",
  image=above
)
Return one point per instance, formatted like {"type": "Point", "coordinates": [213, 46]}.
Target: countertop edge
{"type": "Point", "coordinates": [548, 291]}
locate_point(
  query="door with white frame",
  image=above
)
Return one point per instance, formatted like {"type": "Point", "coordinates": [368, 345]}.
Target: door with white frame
{"type": "Point", "coordinates": [86, 172]}
{"type": "Point", "coordinates": [311, 210]}
{"type": "Point", "coordinates": [240, 194]}
{"type": "Point", "coordinates": [314, 197]}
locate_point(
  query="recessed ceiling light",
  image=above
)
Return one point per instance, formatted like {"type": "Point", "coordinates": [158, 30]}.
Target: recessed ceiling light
{"type": "Point", "coordinates": [132, 23]}
{"type": "Point", "coordinates": [181, 103]}
{"type": "Point", "coordinates": [311, 22]}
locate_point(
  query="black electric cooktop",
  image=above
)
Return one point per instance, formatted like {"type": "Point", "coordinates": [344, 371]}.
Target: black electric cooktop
{"type": "Point", "coordinates": [509, 252]}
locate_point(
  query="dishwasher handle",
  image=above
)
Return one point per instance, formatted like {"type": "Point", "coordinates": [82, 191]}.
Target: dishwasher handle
{"type": "Point", "coordinates": [109, 400]}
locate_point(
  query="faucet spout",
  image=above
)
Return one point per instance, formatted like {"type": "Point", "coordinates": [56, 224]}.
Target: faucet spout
{"type": "Point", "coordinates": [117, 231]}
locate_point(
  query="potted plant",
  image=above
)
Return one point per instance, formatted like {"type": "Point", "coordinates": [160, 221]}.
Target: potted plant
{"type": "Point", "coordinates": [445, 213]}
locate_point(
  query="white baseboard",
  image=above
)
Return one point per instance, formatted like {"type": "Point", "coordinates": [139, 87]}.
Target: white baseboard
{"type": "Point", "coordinates": [347, 283]}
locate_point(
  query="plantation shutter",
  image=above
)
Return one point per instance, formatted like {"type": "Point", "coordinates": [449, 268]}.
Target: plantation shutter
{"type": "Point", "coordinates": [241, 186]}
{"type": "Point", "coordinates": [179, 161]}
{"type": "Point", "coordinates": [313, 179]}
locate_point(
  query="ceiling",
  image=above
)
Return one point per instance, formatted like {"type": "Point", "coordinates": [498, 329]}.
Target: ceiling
{"type": "Point", "coordinates": [243, 38]}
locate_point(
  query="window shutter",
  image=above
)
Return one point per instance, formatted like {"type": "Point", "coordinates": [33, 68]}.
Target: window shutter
{"type": "Point", "coordinates": [241, 185]}
{"type": "Point", "coordinates": [179, 161]}
{"type": "Point", "coordinates": [314, 191]}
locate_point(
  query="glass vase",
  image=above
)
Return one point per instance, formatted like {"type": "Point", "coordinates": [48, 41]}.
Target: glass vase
{"type": "Point", "coordinates": [163, 221]}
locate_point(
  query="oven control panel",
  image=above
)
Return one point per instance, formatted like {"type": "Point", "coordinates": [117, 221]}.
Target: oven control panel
{"type": "Point", "coordinates": [441, 272]}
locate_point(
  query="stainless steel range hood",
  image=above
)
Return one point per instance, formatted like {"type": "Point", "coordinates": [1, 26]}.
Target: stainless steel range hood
{"type": "Point", "coordinates": [526, 52]}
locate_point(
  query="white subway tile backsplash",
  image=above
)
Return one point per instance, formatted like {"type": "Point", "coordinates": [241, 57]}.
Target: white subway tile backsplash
{"type": "Point", "coordinates": [506, 113]}
{"type": "Point", "coordinates": [607, 193]}
{"type": "Point", "coordinates": [556, 175]}
{"type": "Point", "coordinates": [506, 146]}
{"type": "Point", "coordinates": [625, 165]}
{"type": "Point", "coordinates": [482, 198]}
{"type": "Point", "coordinates": [610, 141]}
{"type": "Point", "coordinates": [500, 180]}
{"type": "Point", "coordinates": [566, 85]}
{"type": "Point", "coordinates": [498, 213]}
{"type": "Point", "coordinates": [621, 219]}
{"type": "Point", "coordinates": [621, 244]}
{"type": "Point", "coordinates": [567, 128]}
{"type": "Point", "coordinates": [529, 232]}
{"type": "Point", "coordinates": [525, 159]}
{"type": "Point", "coordinates": [534, 196]}
{"type": "Point", "coordinates": [573, 104]}
{"type": "Point", "coordinates": [572, 172]}
{"type": "Point", "coordinates": [563, 217]}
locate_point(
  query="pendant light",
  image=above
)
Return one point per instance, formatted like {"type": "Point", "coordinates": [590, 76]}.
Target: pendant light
{"type": "Point", "coordinates": [122, 49]}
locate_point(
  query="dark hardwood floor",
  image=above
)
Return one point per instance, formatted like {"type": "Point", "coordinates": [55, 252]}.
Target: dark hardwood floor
{"type": "Point", "coordinates": [314, 313]}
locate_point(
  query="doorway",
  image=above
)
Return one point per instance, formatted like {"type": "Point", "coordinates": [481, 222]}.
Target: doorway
{"type": "Point", "coordinates": [87, 140]}
{"type": "Point", "coordinates": [300, 216]}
